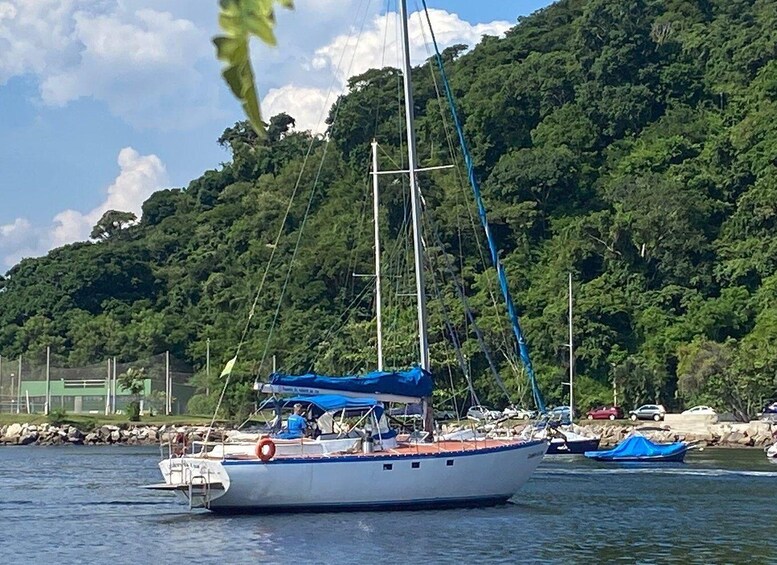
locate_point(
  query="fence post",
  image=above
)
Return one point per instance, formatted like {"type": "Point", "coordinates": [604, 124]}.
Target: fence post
{"type": "Point", "coordinates": [108, 389]}
{"type": "Point", "coordinates": [113, 389]}
{"type": "Point", "coordinates": [19, 388]}
{"type": "Point", "coordinates": [168, 384]}
{"type": "Point", "coordinates": [47, 405]}
{"type": "Point", "coordinates": [207, 367]}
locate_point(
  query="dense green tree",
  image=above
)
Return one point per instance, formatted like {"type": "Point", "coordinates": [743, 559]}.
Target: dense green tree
{"type": "Point", "coordinates": [630, 143]}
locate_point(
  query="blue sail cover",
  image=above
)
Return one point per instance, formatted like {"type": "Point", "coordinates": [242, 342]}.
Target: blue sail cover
{"type": "Point", "coordinates": [414, 382]}
{"type": "Point", "coordinates": [640, 448]}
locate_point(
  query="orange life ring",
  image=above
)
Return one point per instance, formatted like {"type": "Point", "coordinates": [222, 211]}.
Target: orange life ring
{"type": "Point", "coordinates": [265, 449]}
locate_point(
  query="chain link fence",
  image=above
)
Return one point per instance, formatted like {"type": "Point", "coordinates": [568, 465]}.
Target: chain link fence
{"type": "Point", "coordinates": [31, 385]}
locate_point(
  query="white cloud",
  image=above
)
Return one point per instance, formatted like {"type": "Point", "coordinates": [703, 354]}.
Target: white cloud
{"type": "Point", "coordinates": [307, 105]}
{"type": "Point", "coordinates": [139, 177]}
{"type": "Point", "coordinates": [142, 63]}
{"type": "Point", "coordinates": [307, 95]}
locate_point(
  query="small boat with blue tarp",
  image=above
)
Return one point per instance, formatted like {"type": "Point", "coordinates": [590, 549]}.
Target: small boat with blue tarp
{"type": "Point", "coordinates": [636, 448]}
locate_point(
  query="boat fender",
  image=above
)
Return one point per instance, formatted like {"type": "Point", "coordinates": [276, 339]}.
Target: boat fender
{"type": "Point", "coordinates": [265, 449]}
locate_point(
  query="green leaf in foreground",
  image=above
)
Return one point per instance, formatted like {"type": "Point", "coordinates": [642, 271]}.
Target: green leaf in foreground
{"type": "Point", "coordinates": [239, 19]}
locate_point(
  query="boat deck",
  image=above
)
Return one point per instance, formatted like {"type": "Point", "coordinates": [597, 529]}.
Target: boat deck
{"type": "Point", "coordinates": [404, 449]}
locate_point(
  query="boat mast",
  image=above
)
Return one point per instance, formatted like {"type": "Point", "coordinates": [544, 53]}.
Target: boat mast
{"type": "Point", "coordinates": [378, 299]}
{"type": "Point", "coordinates": [571, 356]}
{"type": "Point", "coordinates": [423, 339]}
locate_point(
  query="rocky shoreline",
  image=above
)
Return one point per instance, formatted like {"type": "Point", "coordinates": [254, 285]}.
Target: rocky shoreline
{"type": "Point", "coordinates": [123, 434]}
{"type": "Point", "coordinates": [753, 434]}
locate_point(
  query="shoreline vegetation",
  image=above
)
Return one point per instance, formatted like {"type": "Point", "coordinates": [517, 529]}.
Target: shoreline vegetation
{"type": "Point", "coordinates": [756, 434]}
{"type": "Point", "coordinates": [633, 148]}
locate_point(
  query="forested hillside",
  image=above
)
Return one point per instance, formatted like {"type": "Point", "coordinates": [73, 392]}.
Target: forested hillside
{"type": "Point", "coordinates": [633, 143]}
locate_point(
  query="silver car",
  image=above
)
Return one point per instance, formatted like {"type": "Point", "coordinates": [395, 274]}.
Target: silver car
{"type": "Point", "coordinates": [648, 412]}
{"type": "Point", "coordinates": [481, 413]}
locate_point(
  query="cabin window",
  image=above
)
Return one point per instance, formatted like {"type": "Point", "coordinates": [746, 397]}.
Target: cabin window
{"type": "Point", "coordinates": [449, 462]}
{"type": "Point", "coordinates": [416, 464]}
{"type": "Point", "coordinates": [388, 466]}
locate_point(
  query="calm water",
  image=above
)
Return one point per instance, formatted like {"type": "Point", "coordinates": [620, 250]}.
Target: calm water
{"type": "Point", "coordinates": [80, 504]}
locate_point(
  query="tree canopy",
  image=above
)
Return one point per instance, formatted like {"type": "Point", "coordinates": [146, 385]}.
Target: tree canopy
{"type": "Point", "coordinates": [632, 144]}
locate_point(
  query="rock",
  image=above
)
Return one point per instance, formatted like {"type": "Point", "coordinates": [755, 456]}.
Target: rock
{"type": "Point", "coordinates": [14, 431]}
{"type": "Point", "coordinates": [115, 436]}
{"type": "Point", "coordinates": [745, 440]}
{"type": "Point", "coordinates": [29, 438]}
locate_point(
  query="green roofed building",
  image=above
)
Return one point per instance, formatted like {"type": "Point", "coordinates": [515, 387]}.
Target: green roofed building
{"type": "Point", "coordinates": [95, 389]}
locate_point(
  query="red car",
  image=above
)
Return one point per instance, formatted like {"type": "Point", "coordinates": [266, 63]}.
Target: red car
{"type": "Point", "coordinates": [606, 413]}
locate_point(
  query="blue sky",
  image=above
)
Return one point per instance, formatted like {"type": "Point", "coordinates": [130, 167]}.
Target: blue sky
{"type": "Point", "coordinates": [104, 101]}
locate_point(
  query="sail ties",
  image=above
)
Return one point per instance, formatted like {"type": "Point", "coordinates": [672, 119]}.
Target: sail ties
{"type": "Point", "coordinates": [523, 348]}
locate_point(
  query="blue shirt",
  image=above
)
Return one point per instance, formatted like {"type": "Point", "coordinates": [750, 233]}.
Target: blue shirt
{"type": "Point", "coordinates": [295, 427]}
{"type": "Point", "coordinates": [296, 423]}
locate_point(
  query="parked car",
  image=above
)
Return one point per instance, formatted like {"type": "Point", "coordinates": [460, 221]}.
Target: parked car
{"type": "Point", "coordinates": [482, 413]}
{"type": "Point", "coordinates": [705, 410]}
{"type": "Point", "coordinates": [648, 412]}
{"type": "Point", "coordinates": [769, 413]}
{"type": "Point", "coordinates": [605, 413]}
{"type": "Point", "coordinates": [443, 414]}
{"type": "Point", "coordinates": [770, 408]}
{"type": "Point", "coordinates": [560, 413]}
{"type": "Point", "coordinates": [513, 411]}
{"type": "Point", "coordinates": [407, 412]}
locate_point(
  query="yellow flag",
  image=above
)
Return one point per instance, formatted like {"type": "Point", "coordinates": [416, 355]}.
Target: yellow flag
{"type": "Point", "coordinates": [228, 367]}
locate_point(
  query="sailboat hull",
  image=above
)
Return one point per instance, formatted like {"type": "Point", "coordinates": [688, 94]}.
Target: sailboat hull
{"type": "Point", "coordinates": [483, 476]}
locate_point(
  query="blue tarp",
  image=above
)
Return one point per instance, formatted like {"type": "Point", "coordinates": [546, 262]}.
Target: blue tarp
{"type": "Point", "coordinates": [639, 448]}
{"type": "Point", "coordinates": [414, 382]}
{"type": "Point", "coordinates": [329, 402]}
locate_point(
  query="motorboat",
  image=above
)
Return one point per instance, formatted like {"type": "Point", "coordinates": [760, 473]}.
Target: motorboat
{"type": "Point", "coordinates": [564, 439]}
{"type": "Point", "coordinates": [636, 448]}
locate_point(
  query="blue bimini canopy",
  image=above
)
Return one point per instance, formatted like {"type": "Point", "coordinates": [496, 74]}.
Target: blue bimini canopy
{"type": "Point", "coordinates": [330, 402]}
{"type": "Point", "coordinates": [640, 448]}
{"type": "Point", "coordinates": [413, 383]}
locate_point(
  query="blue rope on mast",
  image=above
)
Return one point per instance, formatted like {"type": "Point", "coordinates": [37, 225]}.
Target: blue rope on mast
{"type": "Point", "coordinates": [523, 349]}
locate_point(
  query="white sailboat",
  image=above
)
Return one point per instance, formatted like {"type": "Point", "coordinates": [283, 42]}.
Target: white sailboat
{"type": "Point", "coordinates": [409, 472]}
{"type": "Point", "coordinates": [568, 439]}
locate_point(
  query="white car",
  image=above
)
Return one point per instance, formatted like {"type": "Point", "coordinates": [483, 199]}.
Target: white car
{"type": "Point", "coordinates": [480, 413]}
{"type": "Point", "coordinates": [705, 410]}
{"type": "Point", "coordinates": [513, 411]}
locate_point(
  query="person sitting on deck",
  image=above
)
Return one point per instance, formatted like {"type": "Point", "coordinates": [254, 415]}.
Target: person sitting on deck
{"type": "Point", "coordinates": [295, 425]}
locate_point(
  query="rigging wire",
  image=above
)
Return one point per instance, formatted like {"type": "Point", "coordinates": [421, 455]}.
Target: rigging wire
{"type": "Point", "coordinates": [456, 157]}
{"type": "Point", "coordinates": [313, 192]}
{"type": "Point", "coordinates": [258, 294]}
{"type": "Point", "coordinates": [524, 353]}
